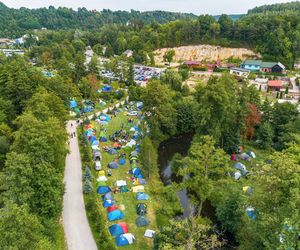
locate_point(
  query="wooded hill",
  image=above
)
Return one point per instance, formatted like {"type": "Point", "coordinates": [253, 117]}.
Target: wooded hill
{"type": "Point", "coordinates": [279, 7]}
{"type": "Point", "coordinates": [13, 22]}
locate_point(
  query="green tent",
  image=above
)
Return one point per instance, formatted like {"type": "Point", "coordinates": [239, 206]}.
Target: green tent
{"type": "Point", "coordinates": [142, 221]}
{"type": "Point", "coordinates": [124, 189]}
{"type": "Point", "coordinates": [76, 110]}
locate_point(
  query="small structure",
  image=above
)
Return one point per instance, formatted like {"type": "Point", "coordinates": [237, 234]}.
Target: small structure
{"type": "Point", "coordinates": [149, 233]}
{"type": "Point", "coordinates": [192, 64]}
{"type": "Point", "coordinates": [240, 72]}
{"type": "Point", "coordinates": [275, 85]}
{"type": "Point", "coordinates": [272, 67]}
{"type": "Point", "coordinates": [252, 65]}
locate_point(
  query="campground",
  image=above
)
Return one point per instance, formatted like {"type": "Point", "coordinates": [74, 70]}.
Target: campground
{"type": "Point", "coordinates": [126, 201]}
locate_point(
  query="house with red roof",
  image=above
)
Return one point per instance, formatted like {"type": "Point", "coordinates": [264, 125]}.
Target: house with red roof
{"type": "Point", "coordinates": [275, 85]}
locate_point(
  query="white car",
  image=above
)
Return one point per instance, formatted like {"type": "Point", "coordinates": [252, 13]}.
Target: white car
{"type": "Point", "coordinates": [132, 113]}
{"type": "Point", "coordinates": [98, 165]}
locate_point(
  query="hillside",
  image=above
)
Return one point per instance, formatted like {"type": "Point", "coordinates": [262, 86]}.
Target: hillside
{"type": "Point", "coordinates": [280, 7]}
{"type": "Point", "coordinates": [204, 53]}
{"type": "Point", "coordinates": [13, 22]}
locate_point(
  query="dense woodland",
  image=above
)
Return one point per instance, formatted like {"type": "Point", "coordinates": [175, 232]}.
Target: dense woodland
{"type": "Point", "coordinates": [280, 7]}
{"type": "Point", "coordinates": [222, 114]}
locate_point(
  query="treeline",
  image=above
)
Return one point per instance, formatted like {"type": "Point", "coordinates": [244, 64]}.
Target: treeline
{"type": "Point", "coordinates": [14, 22]}
{"type": "Point", "coordinates": [33, 150]}
{"type": "Point", "coordinates": [279, 7]}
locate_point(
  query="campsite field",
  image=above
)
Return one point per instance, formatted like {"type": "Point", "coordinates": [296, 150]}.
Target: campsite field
{"type": "Point", "coordinates": [127, 199]}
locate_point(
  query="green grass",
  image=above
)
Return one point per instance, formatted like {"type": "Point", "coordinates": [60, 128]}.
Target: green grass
{"type": "Point", "coordinates": [60, 237]}
{"type": "Point", "coordinates": [127, 199]}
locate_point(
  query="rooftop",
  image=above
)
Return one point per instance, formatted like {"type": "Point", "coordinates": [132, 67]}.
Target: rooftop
{"type": "Point", "coordinates": [275, 83]}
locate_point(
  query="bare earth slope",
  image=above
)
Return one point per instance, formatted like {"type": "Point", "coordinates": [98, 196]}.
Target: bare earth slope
{"type": "Point", "coordinates": [205, 53]}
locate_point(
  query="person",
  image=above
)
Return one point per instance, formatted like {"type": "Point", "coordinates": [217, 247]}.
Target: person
{"type": "Point", "coordinates": [71, 124]}
{"type": "Point", "coordinates": [109, 173]}
{"type": "Point", "coordinates": [74, 134]}
{"type": "Point", "coordinates": [68, 142]}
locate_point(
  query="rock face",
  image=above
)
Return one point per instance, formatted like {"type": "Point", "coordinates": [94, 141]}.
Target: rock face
{"type": "Point", "coordinates": [204, 53]}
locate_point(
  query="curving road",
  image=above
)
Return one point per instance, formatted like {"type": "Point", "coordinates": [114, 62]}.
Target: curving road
{"type": "Point", "coordinates": [76, 226]}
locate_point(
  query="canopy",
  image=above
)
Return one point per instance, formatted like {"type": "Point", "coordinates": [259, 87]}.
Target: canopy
{"type": "Point", "coordinates": [142, 196]}
{"type": "Point", "coordinates": [137, 189]}
{"type": "Point", "coordinates": [125, 239]}
{"type": "Point", "coordinates": [118, 229]}
{"type": "Point", "coordinates": [113, 165]}
{"type": "Point", "coordinates": [142, 221]}
{"type": "Point", "coordinates": [149, 233]}
{"type": "Point", "coordinates": [103, 189]}
{"type": "Point", "coordinates": [115, 215]}
{"type": "Point", "coordinates": [120, 183]}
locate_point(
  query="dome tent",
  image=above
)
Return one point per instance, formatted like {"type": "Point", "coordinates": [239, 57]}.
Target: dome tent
{"type": "Point", "coordinates": [142, 196]}
{"type": "Point", "coordinates": [112, 151]}
{"type": "Point", "coordinates": [141, 209]}
{"type": "Point", "coordinates": [115, 215]}
{"type": "Point", "coordinates": [113, 165]}
{"type": "Point", "coordinates": [142, 221]}
{"type": "Point", "coordinates": [107, 196]}
{"type": "Point", "coordinates": [112, 208]}
{"type": "Point", "coordinates": [124, 239]}
{"type": "Point", "coordinates": [117, 229]}
{"type": "Point", "coordinates": [73, 104]}
{"type": "Point", "coordinates": [108, 203]}
{"type": "Point", "coordinates": [103, 190]}
{"type": "Point", "coordinates": [241, 167]}
{"type": "Point", "coordinates": [122, 161]}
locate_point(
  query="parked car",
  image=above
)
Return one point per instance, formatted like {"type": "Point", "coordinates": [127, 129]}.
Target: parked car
{"type": "Point", "coordinates": [98, 165]}
{"type": "Point", "coordinates": [132, 113]}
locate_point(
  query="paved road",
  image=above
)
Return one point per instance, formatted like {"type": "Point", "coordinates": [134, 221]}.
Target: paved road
{"type": "Point", "coordinates": [77, 230]}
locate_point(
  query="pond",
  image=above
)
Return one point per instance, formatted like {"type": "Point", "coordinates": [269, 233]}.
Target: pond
{"type": "Point", "coordinates": [167, 149]}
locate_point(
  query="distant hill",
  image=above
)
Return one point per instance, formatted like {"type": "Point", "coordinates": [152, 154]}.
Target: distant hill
{"type": "Point", "coordinates": [14, 22]}
{"type": "Point", "coordinates": [280, 7]}
{"type": "Point", "coordinates": [234, 17]}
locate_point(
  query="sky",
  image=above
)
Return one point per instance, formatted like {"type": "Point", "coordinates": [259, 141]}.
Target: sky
{"type": "Point", "coordinates": [212, 7]}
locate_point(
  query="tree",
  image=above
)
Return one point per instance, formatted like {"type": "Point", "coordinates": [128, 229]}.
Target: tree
{"type": "Point", "coordinates": [190, 234]}
{"type": "Point", "coordinates": [148, 157]}
{"type": "Point", "coordinates": [130, 77]}
{"type": "Point", "coordinates": [173, 79]}
{"type": "Point", "coordinates": [98, 49]}
{"type": "Point", "coordinates": [252, 119]}
{"type": "Point", "coordinates": [157, 99]}
{"type": "Point", "coordinates": [87, 187]}
{"type": "Point", "coordinates": [205, 167]}
{"type": "Point", "coordinates": [79, 67]}
{"type": "Point", "coordinates": [93, 65]}
{"type": "Point", "coordinates": [186, 116]}
{"type": "Point", "coordinates": [87, 174]}
{"type": "Point", "coordinates": [265, 135]}
{"type": "Point", "coordinates": [168, 56]}
{"type": "Point", "coordinates": [19, 229]}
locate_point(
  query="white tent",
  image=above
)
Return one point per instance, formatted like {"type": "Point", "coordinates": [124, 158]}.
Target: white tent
{"type": "Point", "coordinates": [131, 143]}
{"type": "Point", "coordinates": [120, 183]}
{"type": "Point", "coordinates": [149, 233]}
{"type": "Point", "coordinates": [237, 175]}
{"type": "Point", "coordinates": [137, 189]}
{"type": "Point", "coordinates": [129, 237]}
{"type": "Point", "coordinates": [102, 178]}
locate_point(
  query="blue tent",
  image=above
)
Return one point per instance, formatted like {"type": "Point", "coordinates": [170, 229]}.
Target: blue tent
{"type": "Point", "coordinates": [103, 139]}
{"type": "Point", "coordinates": [135, 171]}
{"type": "Point", "coordinates": [106, 88]}
{"type": "Point", "coordinates": [142, 196]}
{"type": "Point", "coordinates": [251, 213]}
{"type": "Point", "coordinates": [124, 240]}
{"type": "Point", "coordinates": [112, 151]}
{"type": "Point", "coordinates": [108, 203]}
{"type": "Point", "coordinates": [95, 143]}
{"type": "Point", "coordinates": [92, 139]}
{"type": "Point", "coordinates": [139, 176]}
{"type": "Point", "coordinates": [103, 189]}
{"type": "Point", "coordinates": [73, 104]}
{"type": "Point", "coordinates": [113, 165]}
{"type": "Point", "coordinates": [87, 109]}
{"type": "Point", "coordinates": [105, 117]}
{"type": "Point", "coordinates": [122, 161]}
{"type": "Point", "coordinates": [115, 215]}
{"type": "Point", "coordinates": [116, 230]}
{"type": "Point", "coordinates": [89, 133]}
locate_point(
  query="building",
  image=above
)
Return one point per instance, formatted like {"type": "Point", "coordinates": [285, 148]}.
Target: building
{"type": "Point", "coordinates": [272, 67]}
{"type": "Point", "coordinates": [267, 67]}
{"type": "Point", "coordinates": [253, 65]}
{"type": "Point", "coordinates": [10, 52]}
{"type": "Point", "coordinates": [275, 85]}
{"type": "Point", "coordinates": [240, 72]}
{"type": "Point", "coordinates": [128, 53]}
{"type": "Point", "coordinates": [192, 64]}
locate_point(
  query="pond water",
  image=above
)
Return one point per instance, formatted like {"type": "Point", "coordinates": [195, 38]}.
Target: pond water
{"type": "Point", "coordinates": [167, 149]}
